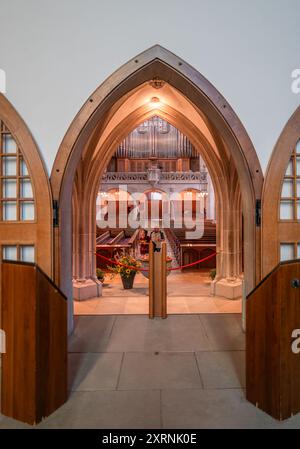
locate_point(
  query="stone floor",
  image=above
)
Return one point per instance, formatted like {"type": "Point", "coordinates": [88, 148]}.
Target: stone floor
{"type": "Point", "coordinates": [132, 372]}
{"type": "Point", "coordinates": [188, 292]}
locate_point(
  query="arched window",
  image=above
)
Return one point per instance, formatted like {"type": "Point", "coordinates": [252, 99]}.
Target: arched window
{"type": "Point", "coordinates": [290, 203]}
{"type": "Point", "coordinates": [25, 196]}
{"type": "Point", "coordinates": [281, 199]}
{"type": "Point", "coordinates": [17, 199]}
{"type": "Point", "coordinates": [290, 193]}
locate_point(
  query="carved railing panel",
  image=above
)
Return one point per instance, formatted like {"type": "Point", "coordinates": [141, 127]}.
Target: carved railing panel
{"type": "Point", "coordinates": [165, 177]}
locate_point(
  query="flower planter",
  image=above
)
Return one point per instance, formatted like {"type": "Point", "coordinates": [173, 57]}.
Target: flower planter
{"type": "Point", "coordinates": [128, 280]}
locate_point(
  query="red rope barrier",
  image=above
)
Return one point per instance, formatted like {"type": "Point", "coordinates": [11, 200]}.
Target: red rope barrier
{"type": "Point", "coordinates": [193, 263]}
{"type": "Point", "coordinates": [115, 262]}
{"type": "Point", "coordinates": [146, 269]}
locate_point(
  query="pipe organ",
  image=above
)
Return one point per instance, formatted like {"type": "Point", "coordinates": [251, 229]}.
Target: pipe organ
{"type": "Point", "coordinates": [156, 138]}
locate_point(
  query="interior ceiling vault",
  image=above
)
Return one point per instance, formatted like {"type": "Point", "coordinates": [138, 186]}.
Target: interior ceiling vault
{"type": "Point", "coordinates": [172, 106]}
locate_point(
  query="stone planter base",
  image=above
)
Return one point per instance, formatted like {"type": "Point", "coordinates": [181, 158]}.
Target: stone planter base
{"type": "Point", "coordinates": [227, 289]}
{"type": "Point", "coordinates": [86, 289]}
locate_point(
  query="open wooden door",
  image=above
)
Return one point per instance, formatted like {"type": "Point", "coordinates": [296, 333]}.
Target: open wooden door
{"type": "Point", "coordinates": [272, 351]}
{"type": "Point", "coordinates": [34, 365]}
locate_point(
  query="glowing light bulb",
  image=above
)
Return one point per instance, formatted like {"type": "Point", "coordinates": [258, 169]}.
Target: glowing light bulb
{"type": "Point", "coordinates": [155, 101]}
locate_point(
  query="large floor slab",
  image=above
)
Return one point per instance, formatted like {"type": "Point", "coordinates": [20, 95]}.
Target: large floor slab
{"type": "Point", "coordinates": [91, 333]}
{"type": "Point", "coordinates": [224, 331]}
{"type": "Point", "coordinates": [188, 292]}
{"type": "Point", "coordinates": [213, 409]}
{"type": "Point", "coordinates": [94, 371]}
{"type": "Point", "coordinates": [157, 371]}
{"type": "Point", "coordinates": [102, 410]}
{"type": "Point", "coordinates": [139, 305]}
{"type": "Point", "coordinates": [187, 371]}
{"type": "Point", "coordinates": [176, 333]}
{"type": "Point", "coordinates": [222, 369]}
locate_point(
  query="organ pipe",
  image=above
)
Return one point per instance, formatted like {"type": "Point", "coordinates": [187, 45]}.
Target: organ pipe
{"type": "Point", "coordinates": [156, 137]}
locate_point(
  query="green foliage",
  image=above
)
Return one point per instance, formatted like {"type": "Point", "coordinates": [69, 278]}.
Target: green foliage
{"type": "Point", "coordinates": [125, 259]}
{"type": "Point", "coordinates": [213, 274]}
{"type": "Point", "coordinates": [100, 274]}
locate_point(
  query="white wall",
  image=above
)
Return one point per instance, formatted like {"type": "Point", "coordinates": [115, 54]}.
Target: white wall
{"type": "Point", "coordinates": [56, 52]}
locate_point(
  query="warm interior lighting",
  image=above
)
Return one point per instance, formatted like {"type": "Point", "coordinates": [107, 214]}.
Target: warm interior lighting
{"type": "Point", "coordinates": [155, 101]}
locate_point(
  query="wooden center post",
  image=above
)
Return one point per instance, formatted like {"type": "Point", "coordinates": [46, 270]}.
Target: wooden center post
{"type": "Point", "coordinates": [158, 282]}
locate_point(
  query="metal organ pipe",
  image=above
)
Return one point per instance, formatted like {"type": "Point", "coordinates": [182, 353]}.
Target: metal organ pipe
{"type": "Point", "coordinates": [156, 138]}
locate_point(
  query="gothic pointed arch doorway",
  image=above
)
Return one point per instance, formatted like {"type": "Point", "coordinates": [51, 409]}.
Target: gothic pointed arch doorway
{"type": "Point", "coordinates": [92, 135]}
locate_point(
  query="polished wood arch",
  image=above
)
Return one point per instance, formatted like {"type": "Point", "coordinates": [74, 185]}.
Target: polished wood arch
{"type": "Point", "coordinates": [157, 62]}
{"type": "Point", "coordinates": [274, 230]}
{"type": "Point", "coordinates": [39, 231]}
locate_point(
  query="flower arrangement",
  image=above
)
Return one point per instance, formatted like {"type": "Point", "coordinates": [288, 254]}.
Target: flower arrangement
{"type": "Point", "coordinates": [124, 272]}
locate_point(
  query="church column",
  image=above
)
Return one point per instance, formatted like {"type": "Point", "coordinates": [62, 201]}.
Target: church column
{"type": "Point", "coordinates": [85, 283]}
{"type": "Point", "coordinates": [210, 209]}
{"type": "Point", "coordinates": [228, 282]}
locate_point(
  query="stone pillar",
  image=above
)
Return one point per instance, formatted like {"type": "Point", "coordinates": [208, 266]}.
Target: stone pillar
{"type": "Point", "coordinates": [85, 283]}
{"type": "Point", "coordinates": [210, 209]}
{"type": "Point", "coordinates": [228, 282]}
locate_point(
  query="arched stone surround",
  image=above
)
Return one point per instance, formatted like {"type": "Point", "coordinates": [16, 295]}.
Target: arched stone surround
{"type": "Point", "coordinates": [224, 179]}
{"type": "Point", "coordinates": [227, 131]}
